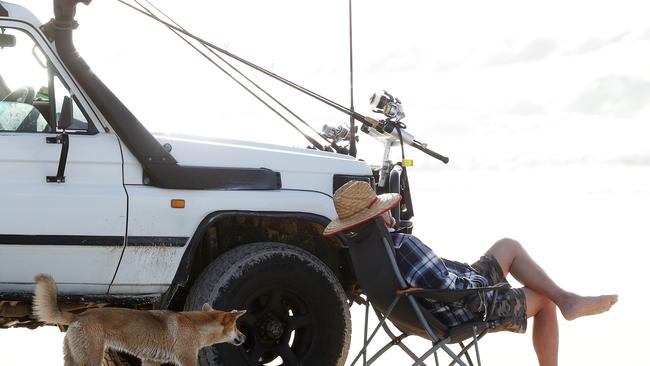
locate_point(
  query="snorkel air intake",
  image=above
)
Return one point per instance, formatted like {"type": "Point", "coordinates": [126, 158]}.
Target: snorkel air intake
{"type": "Point", "coordinates": [130, 130]}
{"type": "Point", "coordinates": [160, 167]}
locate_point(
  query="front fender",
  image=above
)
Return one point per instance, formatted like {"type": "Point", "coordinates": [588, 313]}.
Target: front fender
{"type": "Point", "coordinates": [168, 235]}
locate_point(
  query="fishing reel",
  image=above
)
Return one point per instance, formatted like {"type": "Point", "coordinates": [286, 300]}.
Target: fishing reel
{"type": "Point", "coordinates": [336, 134]}
{"type": "Point", "coordinates": [388, 105]}
{"type": "Point", "coordinates": [390, 130]}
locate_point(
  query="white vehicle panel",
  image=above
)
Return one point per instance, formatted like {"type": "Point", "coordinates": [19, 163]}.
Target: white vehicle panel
{"type": "Point", "coordinates": [151, 269]}
{"type": "Point", "coordinates": [300, 168]}
{"type": "Point", "coordinates": [132, 168]}
{"type": "Point", "coordinates": [67, 264]}
{"type": "Point", "coordinates": [39, 219]}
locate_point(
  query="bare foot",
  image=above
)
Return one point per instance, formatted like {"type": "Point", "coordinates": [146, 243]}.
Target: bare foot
{"type": "Point", "coordinates": [578, 306]}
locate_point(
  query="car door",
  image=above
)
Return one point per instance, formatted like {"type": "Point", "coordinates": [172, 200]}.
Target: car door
{"type": "Point", "coordinates": [69, 225]}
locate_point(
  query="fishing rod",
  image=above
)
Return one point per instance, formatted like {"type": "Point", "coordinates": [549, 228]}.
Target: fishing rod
{"type": "Point", "coordinates": [315, 144]}
{"type": "Point", "coordinates": [359, 117]}
{"type": "Point", "coordinates": [383, 127]}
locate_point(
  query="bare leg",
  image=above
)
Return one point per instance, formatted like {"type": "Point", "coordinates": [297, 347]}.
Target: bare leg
{"type": "Point", "coordinates": [546, 335]}
{"type": "Point", "coordinates": [514, 259]}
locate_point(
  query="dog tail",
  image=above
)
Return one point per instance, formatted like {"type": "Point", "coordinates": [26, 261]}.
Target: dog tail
{"type": "Point", "coordinates": [45, 305]}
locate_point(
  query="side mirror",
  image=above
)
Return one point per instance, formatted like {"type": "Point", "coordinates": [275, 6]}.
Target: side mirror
{"type": "Point", "coordinates": [65, 117]}
{"type": "Point", "coordinates": [7, 40]}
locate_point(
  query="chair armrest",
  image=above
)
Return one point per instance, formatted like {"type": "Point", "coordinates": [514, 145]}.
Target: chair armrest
{"type": "Point", "coordinates": [447, 296]}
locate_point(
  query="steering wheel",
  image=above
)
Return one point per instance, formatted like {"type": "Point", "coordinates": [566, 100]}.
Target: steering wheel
{"type": "Point", "coordinates": [21, 95]}
{"type": "Point", "coordinates": [30, 122]}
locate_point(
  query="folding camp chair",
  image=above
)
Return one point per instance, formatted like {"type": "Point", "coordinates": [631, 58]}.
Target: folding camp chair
{"type": "Point", "coordinates": [373, 259]}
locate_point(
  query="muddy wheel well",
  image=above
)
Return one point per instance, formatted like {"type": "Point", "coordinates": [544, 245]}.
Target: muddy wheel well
{"type": "Point", "coordinates": [231, 231]}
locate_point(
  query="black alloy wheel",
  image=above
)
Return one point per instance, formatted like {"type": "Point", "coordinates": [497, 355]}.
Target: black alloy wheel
{"type": "Point", "coordinates": [279, 326]}
{"type": "Point", "coordinates": [297, 312]}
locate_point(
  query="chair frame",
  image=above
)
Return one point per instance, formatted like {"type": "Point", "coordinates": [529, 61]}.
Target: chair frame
{"type": "Point", "coordinates": [478, 329]}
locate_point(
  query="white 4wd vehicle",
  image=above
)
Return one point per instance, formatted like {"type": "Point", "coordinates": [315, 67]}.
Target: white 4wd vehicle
{"type": "Point", "coordinates": [122, 218]}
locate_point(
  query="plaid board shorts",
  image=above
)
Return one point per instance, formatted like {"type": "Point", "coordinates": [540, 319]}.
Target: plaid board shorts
{"type": "Point", "coordinates": [510, 306]}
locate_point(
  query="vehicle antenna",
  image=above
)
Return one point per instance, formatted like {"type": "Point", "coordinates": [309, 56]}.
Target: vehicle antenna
{"type": "Point", "coordinates": [353, 137]}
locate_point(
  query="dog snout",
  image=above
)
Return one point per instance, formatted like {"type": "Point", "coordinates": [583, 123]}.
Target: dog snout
{"type": "Point", "coordinates": [240, 340]}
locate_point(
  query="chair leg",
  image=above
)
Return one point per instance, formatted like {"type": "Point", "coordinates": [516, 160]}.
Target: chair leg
{"type": "Point", "coordinates": [432, 350]}
{"type": "Point", "coordinates": [365, 336]}
{"type": "Point", "coordinates": [478, 356]}
{"type": "Point", "coordinates": [409, 352]}
{"type": "Point", "coordinates": [470, 345]}
{"type": "Point", "coordinates": [392, 336]}
{"type": "Point", "coordinates": [374, 332]}
{"type": "Point", "coordinates": [469, 359]}
{"type": "Point", "coordinates": [365, 331]}
{"type": "Point", "coordinates": [455, 357]}
{"type": "Point", "coordinates": [394, 342]}
{"type": "Point", "coordinates": [435, 357]}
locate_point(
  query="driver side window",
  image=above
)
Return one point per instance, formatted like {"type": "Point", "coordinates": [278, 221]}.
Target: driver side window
{"type": "Point", "coordinates": [31, 94]}
{"type": "Point", "coordinates": [21, 76]}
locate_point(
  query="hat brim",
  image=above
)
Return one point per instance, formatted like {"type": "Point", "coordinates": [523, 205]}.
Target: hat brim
{"type": "Point", "coordinates": [384, 203]}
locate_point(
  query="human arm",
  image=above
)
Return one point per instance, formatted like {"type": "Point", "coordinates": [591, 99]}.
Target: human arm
{"type": "Point", "coordinates": [422, 268]}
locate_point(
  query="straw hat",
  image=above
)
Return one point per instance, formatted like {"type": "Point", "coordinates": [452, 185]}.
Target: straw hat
{"type": "Point", "coordinates": [355, 203]}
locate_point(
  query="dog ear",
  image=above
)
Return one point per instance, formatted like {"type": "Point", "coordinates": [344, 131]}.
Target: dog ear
{"type": "Point", "coordinates": [238, 313]}
{"type": "Point", "coordinates": [206, 307]}
{"type": "Point", "coordinates": [227, 318]}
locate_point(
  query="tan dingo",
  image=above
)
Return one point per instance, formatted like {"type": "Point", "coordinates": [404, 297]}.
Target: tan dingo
{"type": "Point", "coordinates": [154, 336]}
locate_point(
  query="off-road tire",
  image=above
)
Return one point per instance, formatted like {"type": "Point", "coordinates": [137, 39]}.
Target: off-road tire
{"type": "Point", "coordinates": [283, 288]}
